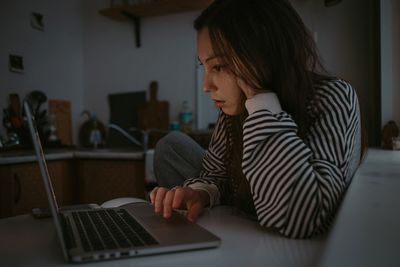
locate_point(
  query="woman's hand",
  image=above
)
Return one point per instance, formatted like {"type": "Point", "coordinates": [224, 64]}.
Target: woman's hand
{"type": "Point", "coordinates": [248, 91]}
{"type": "Point", "coordinates": [194, 201]}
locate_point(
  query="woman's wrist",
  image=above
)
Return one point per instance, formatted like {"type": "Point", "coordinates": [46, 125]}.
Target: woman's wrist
{"type": "Point", "coordinates": [204, 197]}
{"type": "Point", "coordinates": [211, 191]}
{"type": "Point", "coordinates": [261, 101]}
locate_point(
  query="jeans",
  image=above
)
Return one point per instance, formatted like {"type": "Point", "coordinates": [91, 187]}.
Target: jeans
{"type": "Point", "coordinates": [177, 157]}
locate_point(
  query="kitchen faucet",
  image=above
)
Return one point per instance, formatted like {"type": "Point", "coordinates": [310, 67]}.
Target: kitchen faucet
{"type": "Point", "coordinates": [145, 134]}
{"type": "Point", "coordinates": [130, 137]}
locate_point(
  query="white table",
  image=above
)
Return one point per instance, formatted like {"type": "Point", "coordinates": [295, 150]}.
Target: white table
{"type": "Point", "coordinates": [25, 241]}
{"type": "Point", "coordinates": [366, 232]}
{"type": "Point", "coordinates": [367, 229]}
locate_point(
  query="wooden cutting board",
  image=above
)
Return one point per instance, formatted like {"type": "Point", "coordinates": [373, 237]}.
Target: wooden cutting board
{"type": "Point", "coordinates": [154, 114]}
{"type": "Point", "coordinates": [15, 109]}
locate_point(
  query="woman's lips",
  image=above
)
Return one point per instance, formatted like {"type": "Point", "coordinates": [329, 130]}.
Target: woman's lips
{"type": "Point", "coordinates": [219, 103]}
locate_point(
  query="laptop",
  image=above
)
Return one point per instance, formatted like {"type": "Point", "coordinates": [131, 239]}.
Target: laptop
{"type": "Point", "coordinates": [109, 233]}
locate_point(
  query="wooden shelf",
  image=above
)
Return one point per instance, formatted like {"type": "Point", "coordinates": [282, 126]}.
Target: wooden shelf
{"type": "Point", "coordinates": [155, 8]}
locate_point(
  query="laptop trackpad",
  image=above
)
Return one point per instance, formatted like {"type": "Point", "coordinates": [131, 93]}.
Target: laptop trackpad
{"type": "Point", "coordinates": [175, 229]}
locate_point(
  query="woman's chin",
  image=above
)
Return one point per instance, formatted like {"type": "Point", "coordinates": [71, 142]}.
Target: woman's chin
{"type": "Point", "coordinates": [232, 112]}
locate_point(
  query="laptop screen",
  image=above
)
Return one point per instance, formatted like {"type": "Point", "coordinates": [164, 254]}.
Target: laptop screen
{"type": "Point", "coordinates": [45, 174]}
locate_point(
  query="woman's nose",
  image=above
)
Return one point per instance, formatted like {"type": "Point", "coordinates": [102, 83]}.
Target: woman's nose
{"type": "Point", "coordinates": [208, 85]}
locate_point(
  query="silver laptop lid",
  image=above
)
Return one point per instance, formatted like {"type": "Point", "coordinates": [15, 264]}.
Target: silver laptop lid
{"type": "Point", "coordinates": [51, 197]}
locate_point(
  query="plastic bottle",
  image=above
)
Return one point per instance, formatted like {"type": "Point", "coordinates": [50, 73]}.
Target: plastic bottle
{"type": "Point", "coordinates": [174, 126]}
{"type": "Point", "coordinates": [95, 133]}
{"type": "Point", "coordinates": [186, 117]}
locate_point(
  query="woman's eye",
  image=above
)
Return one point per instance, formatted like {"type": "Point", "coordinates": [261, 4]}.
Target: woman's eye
{"type": "Point", "coordinates": [218, 68]}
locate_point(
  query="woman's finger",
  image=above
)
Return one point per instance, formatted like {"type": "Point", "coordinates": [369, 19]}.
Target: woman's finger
{"type": "Point", "coordinates": [179, 197]}
{"type": "Point", "coordinates": [153, 194]}
{"type": "Point", "coordinates": [245, 87]}
{"type": "Point", "coordinates": [159, 199]}
{"type": "Point", "coordinates": [169, 197]}
{"type": "Point", "coordinates": [194, 211]}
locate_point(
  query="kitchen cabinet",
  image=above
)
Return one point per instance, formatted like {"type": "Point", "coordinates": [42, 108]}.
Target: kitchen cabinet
{"type": "Point", "coordinates": [21, 186]}
{"type": "Point", "coordinates": [100, 180]}
{"type": "Point", "coordinates": [78, 177]}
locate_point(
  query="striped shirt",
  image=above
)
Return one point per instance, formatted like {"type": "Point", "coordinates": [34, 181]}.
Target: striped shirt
{"type": "Point", "coordinates": [296, 184]}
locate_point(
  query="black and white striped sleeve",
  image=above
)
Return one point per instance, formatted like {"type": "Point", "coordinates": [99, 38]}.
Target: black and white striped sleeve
{"type": "Point", "coordinates": [297, 184]}
{"type": "Point", "coordinates": [214, 174]}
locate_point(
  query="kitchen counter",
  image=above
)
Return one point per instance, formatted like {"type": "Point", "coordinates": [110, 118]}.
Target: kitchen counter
{"type": "Point", "coordinates": [24, 156]}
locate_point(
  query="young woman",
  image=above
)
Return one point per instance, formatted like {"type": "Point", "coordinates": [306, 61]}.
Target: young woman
{"type": "Point", "coordinates": [288, 139]}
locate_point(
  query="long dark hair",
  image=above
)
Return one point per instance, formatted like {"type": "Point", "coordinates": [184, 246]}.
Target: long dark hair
{"type": "Point", "coordinates": [265, 43]}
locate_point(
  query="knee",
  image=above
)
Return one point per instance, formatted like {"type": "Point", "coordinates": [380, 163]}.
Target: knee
{"type": "Point", "coordinates": [168, 142]}
{"type": "Point", "coordinates": [165, 159]}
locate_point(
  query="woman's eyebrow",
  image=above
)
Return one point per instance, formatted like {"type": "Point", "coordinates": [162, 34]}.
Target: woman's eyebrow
{"type": "Point", "coordinates": [212, 57]}
{"type": "Point", "coordinates": [208, 59]}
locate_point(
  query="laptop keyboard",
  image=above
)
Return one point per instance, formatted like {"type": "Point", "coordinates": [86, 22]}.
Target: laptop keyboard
{"type": "Point", "coordinates": [110, 229]}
